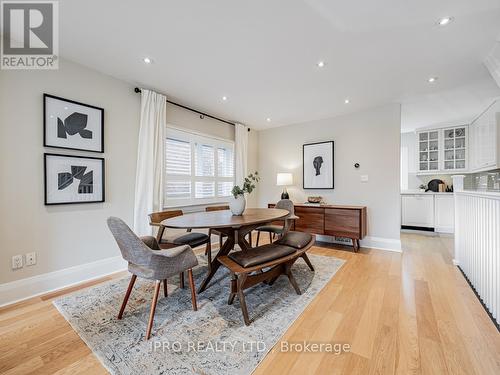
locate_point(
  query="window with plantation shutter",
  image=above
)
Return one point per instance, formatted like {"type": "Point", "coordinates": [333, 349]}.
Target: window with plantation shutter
{"type": "Point", "coordinates": [198, 169]}
{"type": "Point", "coordinates": [204, 160]}
{"type": "Point", "coordinates": [178, 157]}
{"type": "Point", "coordinates": [224, 188]}
{"type": "Point", "coordinates": [225, 162]}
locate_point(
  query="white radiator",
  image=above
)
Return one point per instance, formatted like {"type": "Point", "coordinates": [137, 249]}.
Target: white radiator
{"type": "Point", "coordinates": [477, 244]}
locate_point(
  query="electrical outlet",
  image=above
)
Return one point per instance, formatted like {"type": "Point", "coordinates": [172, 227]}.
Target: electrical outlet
{"type": "Point", "coordinates": [31, 259]}
{"type": "Point", "coordinates": [17, 262]}
{"type": "Point", "coordinates": [364, 178]}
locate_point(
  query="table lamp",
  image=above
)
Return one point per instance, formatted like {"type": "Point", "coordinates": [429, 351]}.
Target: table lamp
{"type": "Point", "coordinates": [284, 179]}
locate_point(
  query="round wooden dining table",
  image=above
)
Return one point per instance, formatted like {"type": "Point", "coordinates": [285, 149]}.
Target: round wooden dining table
{"type": "Point", "coordinates": [234, 227]}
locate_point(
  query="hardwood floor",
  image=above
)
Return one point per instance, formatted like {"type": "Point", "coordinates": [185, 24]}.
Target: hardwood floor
{"type": "Point", "coordinates": [410, 313]}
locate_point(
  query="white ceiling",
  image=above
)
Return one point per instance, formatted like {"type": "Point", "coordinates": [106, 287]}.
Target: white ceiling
{"type": "Point", "coordinates": [454, 106]}
{"type": "Point", "coordinates": [262, 54]}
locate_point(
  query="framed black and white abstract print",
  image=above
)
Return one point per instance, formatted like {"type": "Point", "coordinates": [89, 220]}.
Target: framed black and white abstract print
{"type": "Point", "coordinates": [73, 179]}
{"type": "Point", "coordinates": [72, 125]}
{"type": "Point", "coordinates": [318, 165]}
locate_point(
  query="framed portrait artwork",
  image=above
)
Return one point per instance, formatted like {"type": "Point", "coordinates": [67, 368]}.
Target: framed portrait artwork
{"type": "Point", "coordinates": [73, 179]}
{"type": "Point", "coordinates": [72, 125]}
{"type": "Point", "coordinates": [317, 165]}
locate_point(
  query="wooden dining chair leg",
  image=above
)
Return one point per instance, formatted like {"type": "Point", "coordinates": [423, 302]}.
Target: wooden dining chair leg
{"type": "Point", "coordinates": [250, 238]}
{"type": "Point", "coordinates": [208, 248]}
{"type": "Point", "coordinates": [270, 237]}
{"type": "Point", "coordinates": [165, 290]}
{"type": "Point", "coordinates": [127, 295]}
{"type": "Point", "coordinates": [258, 238]}
{"type": "Point", "coordinates": [209, 258]}
{"type": "Point", "coordinates": [209, 241]}
{"type": "Point", "coordinates": [193, 289]}
{"type": "Point", "coordinates": [181, 280]}
{"type": "Point", "coordinates": [220, 242]}
{"type": "Point", "coordinates": [153, 308]}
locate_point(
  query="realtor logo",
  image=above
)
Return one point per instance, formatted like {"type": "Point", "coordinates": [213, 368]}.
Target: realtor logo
{"type": "Point", "coordinates": [29, 35]}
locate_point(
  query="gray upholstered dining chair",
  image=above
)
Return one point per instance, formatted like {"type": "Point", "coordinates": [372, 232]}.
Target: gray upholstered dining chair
{"type": "Point", "coordinates": [277, 230]}
{"type": "Point", "coordinates": [146, 259]}
{"type": "Point", "coordinates": [165, 241]}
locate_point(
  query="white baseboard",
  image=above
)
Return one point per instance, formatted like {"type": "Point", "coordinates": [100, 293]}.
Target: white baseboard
{"type": "Point", "coordinates": [455, 262]}
{"type": "Point", "coordinates": [20, 290]}
{"type": "Point", "coordinates": [378, 243]}
{"type": "Point", "coordinates": [382, 243]}
{"type": "Point", "coordinates": [447, 230]}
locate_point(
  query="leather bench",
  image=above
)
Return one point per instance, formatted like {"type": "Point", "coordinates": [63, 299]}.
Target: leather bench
{"type": "Point", "coordinates": [265, 264]}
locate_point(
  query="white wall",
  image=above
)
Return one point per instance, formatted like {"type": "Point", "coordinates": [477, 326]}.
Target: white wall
{"type": "Point", "coordinates": [67, 235]}
{"type": "Point", "coordinates": [370, 138]}
{"type": "Point", "coordinates": [71, 235]}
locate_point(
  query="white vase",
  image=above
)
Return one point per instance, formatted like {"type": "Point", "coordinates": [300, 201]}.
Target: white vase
{"type": "Point", "coordinates": [237, 205]}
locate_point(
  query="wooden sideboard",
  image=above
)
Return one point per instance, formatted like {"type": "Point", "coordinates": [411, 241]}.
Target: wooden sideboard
{"type": "Point", "coordinates": [331, 220]}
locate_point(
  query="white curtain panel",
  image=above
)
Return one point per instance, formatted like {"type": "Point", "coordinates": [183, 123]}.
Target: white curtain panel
{"type": "Point", "coordinates": [150, 160]}
{"type": "Point", "coordinates": [241, 153]}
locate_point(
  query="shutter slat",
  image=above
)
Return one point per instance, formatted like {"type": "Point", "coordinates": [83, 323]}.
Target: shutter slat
{"type": "Point", "coordinates": [178, 157]}
{"type": "Point", "coordinates": [204, 160]}
{"type": "Point", "coordinates": [225, 163]}
{"type": "Point", "coordinates": [224, 188]}
{"type": "Point", "coordinates": [204, 189]}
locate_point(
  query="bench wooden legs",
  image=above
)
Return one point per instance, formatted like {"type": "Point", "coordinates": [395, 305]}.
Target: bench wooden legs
{"type": "Point", "coordinates": [241, 296]}
{"type": "Point", "coordinates": [234, 289]}
{"type": "Point", "coordinates": [292, 280]}
{"type": "Point", "coordinates": [242, 281]}
{"type": "Point", "coordinates": [308, 262]}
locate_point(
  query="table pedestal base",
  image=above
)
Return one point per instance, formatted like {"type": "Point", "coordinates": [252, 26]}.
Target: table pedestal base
{"type": "Point", "coordinates": [234, 236]}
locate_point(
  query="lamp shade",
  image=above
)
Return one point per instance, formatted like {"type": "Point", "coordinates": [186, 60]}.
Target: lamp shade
{"type": "Point", "coordinates": [284, 179]}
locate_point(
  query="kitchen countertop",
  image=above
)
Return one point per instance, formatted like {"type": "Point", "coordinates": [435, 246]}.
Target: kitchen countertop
{"type": "Point", "coordinates": [413, 192]}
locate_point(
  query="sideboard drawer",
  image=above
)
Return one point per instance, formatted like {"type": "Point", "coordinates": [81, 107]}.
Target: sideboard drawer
{"type": "Point", "coordinates": [343, 223]}
{"type": "Point", "coordinates": [311, 219]}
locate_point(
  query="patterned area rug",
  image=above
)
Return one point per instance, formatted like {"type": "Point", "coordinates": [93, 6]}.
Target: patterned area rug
{"type": "Point", "coordinates": [213, 340]}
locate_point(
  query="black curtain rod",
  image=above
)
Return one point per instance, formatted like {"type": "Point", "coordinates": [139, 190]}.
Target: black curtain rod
{"type": "Point", "coordinates": [138, 90]}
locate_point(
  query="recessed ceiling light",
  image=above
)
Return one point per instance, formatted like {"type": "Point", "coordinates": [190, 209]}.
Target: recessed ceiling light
{"type": "Point", "coordinates": [321, 64]}
{"type": "Point", "coordinates": [224, 98]}
{"type": "Point", "coordinates": [347, 101]}
{"type": "Point", "coordinates": [432, 79]}
{"type": "Point", "coordinates": [268, 119]}
{"type": "Point", "coordinates": [147, 60]}
{"type": "Point", "coordinates": [444, 21]}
